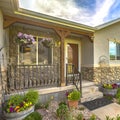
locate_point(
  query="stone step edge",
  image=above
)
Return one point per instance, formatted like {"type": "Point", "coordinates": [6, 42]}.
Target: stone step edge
{"type": "Point", "coordinates": [91, 96]}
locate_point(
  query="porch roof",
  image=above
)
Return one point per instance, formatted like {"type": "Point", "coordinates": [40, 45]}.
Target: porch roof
{"type": "Point", "coordinates": [12, 13]}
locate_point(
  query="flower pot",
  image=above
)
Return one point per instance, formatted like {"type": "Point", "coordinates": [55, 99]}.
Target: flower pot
{"type": "Point", "coordinates": [19, 115]}
{"type": "Point", "coordinates": [111, 92]}
{"type": "Point", "coordinates": [24, 49]}
{"type": "Point", "coordinates": [73, 104]}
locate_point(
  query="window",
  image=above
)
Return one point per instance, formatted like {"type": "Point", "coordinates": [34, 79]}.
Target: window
{"type": "Point", "coordinates": [35, 53]}
{"type": "Point", "coordinates": [114, 50]}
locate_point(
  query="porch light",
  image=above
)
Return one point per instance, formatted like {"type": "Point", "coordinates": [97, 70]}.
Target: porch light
{"type": "Point", "coordinates": [57, 43]}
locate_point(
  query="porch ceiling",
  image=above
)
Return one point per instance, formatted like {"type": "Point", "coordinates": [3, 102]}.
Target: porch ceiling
{"type": "Point", "coordinates": [12, 13]}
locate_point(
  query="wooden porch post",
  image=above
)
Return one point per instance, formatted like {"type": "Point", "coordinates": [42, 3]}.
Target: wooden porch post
{"type": "Point", "coordinates": [62, 35]}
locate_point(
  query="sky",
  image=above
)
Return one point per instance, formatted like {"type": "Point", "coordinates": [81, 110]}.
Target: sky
{"type": "Point", "coordinates": [87, 12]}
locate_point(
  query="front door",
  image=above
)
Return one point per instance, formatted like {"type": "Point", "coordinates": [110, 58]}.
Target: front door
{"type": "Point", "coordinates": [72, 54]}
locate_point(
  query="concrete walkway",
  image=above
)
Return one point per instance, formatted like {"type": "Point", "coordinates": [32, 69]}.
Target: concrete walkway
{"type": "Point", "coordinates": [111, 110]}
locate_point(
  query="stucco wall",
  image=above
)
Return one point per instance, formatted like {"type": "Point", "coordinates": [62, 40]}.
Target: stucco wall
{"type": "Point", "coordinates": [101, 42]}
{"type": "Point", "coordinates": [87, 52]}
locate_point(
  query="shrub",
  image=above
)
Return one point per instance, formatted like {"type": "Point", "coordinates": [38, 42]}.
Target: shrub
{"type": "Point", "coordinates": [93, 117]}
{"type": "Point", "coordinates": [63, 112]}
{"type": "Point", "coordinates": [74, 95]}
{"type": "Point", "coordinates": [108, 118]}
{"type": "Point", "coordinates": [80, 116]}
{"type": "Point", "coordinates": [118, 95]}
{"type": "Point", "coordinates": [33, 116]}
{"type": "Point", "coordinates": [32, 96]}
{"type": "Point", "coordinates": [16, 99]}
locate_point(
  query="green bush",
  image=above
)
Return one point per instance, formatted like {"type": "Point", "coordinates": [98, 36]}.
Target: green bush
{"type": "Point", "coordinates": [16, 99]}
{"type": "Point", "coordinates": [118, 95]}
{"type": "Point", "coordinates": [63, 112]}
{"type": "Point", "coordinates": [32, 96]}
{"type": "Point", "coordinates": [74, 95]}
{"type": "Point", "coordinates": [93, 117]}
{"type": "Point", "coordinates": [118, 117]}
{"type": "Point", "coordinates": [33, 116]}
{"type": "Point", "coordinates": [80, 116]}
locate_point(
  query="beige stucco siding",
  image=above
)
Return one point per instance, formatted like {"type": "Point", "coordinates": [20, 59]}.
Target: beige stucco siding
{"type": "Point", "coordinates": [101, 42]}
{"type": "Point", "coordinates": [87, 52]}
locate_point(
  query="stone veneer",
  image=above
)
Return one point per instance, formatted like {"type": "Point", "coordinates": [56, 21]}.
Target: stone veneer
{"type": "Point", "coordinates": [13, 48]}
{"type": "Point", "coordinates": [101, 74]}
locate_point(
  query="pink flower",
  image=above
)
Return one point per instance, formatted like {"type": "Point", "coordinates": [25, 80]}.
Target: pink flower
{"type": "Point", "coordinates": [20, 35]}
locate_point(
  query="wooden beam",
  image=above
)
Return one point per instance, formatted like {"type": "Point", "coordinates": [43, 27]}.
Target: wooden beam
{"type": "Point", "coordinates": [91, 38]}
{"type": "Point", "coordinates": [62, 34]}
{"type": "Point", "coordinates": [7, 22]}
{"type": "Point", "coordinates": [47, 25]}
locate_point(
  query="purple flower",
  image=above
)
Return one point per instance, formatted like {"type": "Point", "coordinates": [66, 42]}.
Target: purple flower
{"type": "Point", "coordinates": [11, 109]}
{"type": "Point", "coordinates": [25, 36]}
{"type": "Point", "coordinates": [67, 93]}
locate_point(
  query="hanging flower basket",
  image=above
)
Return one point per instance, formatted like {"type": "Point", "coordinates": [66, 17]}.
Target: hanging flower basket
{"type": "Point", "coordinates": [47, 42]}
{"type": "Point", "coordinates": [24, 48]}
{"type": "Point", "coordinates": [23, 38]}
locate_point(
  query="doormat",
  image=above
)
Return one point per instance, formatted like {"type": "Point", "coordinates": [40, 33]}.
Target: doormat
{"type": "Point", "coordinates": [97, 103]}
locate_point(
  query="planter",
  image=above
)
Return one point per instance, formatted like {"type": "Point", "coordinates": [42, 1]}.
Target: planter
{"type": "Point", "coordinates": [73, 104]}
{"type": "Point", "coordinates": [24, 49]}
{"type": "Point", "coordinates": [111, 92]}
{"type": "Point", "coordinates": [19, 115]}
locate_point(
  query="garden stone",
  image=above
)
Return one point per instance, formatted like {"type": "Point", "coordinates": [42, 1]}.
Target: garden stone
{"type": "Point", "coordinates": [53, 106]}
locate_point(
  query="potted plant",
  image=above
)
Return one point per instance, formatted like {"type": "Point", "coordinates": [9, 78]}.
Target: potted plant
{"type": "Point", "coordinates": [73, 98]}
{"type": "Point", "coordinates": [110, 88]}
{"type": "Point", "coordinates": [19, 106]}
{"type": "Point", "coordinates": [23, 38]}
{"type": "Point", "coordinates": [47, 42]}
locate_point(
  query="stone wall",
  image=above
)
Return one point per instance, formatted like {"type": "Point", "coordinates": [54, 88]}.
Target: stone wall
{"type": "Point", "coordinates": [101, 74]}
{"type": "Point", "coordinates": [35, 31]}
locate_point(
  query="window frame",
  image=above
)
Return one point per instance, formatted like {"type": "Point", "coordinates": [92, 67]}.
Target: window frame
{"type": "Point", "coordinates": [115, 51]}
{"type": "Point", "coordinates": [37, 53]}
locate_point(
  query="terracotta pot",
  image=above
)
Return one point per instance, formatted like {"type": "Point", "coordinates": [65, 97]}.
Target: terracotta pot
{"type": "Point", "coordinates": [73, 104]}
{"type": "Point", "coordinates": [19, 115]}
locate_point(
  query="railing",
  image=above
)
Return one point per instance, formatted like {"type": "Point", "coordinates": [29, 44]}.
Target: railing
{"type": "Point", "coordinates": [73, 76]}
{"type": "Point", "coordinates": [20, 77]}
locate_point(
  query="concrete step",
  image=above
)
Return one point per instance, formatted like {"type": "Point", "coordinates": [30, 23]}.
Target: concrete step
{"type": "Point", "coordinates": [87, 83]}
{"type": "Point", "coordinates": [91, 96]}
{"type": "Point", "coordinates": [90, 89]}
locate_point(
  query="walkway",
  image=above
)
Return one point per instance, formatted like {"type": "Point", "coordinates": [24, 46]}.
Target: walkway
{"type": "Point", "coordinates": [111, 110]}
{"type": "Point", "coordinates": [103, 107]}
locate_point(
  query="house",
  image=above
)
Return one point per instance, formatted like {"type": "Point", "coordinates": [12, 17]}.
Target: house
{"type": "Point", "coordinates": [73, 46]}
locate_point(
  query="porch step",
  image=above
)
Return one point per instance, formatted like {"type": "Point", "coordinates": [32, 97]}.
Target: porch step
{"type": "Point", "coordinates": [86, 83]}
{"type": "Point", "coordinates": [90, 91]}
{"type": "Point", "coordinates": [91, 96]}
